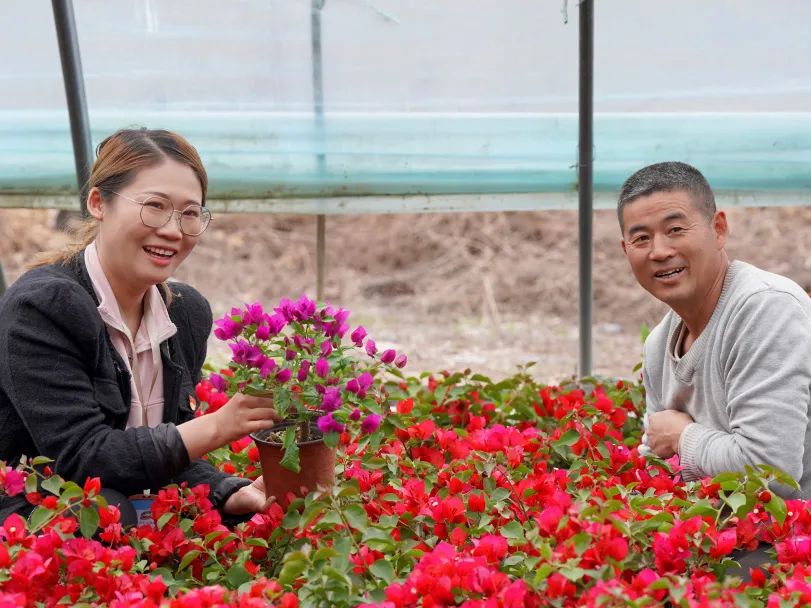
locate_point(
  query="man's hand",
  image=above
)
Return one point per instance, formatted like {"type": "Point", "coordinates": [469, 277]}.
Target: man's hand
{"type": "Point", "coordinates": [249, 499]}
{"type": "Point", "coordinates": [664, 431]}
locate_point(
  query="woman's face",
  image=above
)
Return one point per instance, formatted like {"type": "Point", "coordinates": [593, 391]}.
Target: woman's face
{"type": "Point", "coordinates": [133, 254]}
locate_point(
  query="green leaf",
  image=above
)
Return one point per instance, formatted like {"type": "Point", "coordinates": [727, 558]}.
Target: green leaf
{"type": "Point", "coordinates": [513, 530]}
{"type": "Point", "coordinates": [88, 521]}
{"type": "Point", "coordinates": [163, 520]}
{"type": "Point", "coordinates": [38, 517]}
{"type": "Point", "coordinates": [290, 460]}
{"type": "Point", "coordinates": [291, 520]}
{"type": "Point", "coordinates": [188, 559]}
{"type": "Point", "coordinates": [383, 570]}
{"type": "Point", "coordinates": [356, 516]}
{"type": "Point", "coordinates": [568, 438]}
{"type": "Point", "coordinates": [52, 485]}
{"type": "Point", "coordinates": [574, 574]}
{"type": "Point", "coordinates": [349, 488]}
{"type": "Point", "coordinates": [70, 491]}
{"type": "Point", "coordinates": [777, 508]}
{"type": "Point", "coordinates": [736, 500]}
{"type": "Point", "coordinates": [40, 460]}
{"type": "Point", "coordinates": [331, 440]}
{"type": "Point", "coordinates": [294, 564]}
{"type": "Point", "coordinates": [499, 494]}
{"type": "Point", "coordinates": [30, 483]}
{"type": "Point", "coordinates": [543, 571]}
{"type": "Point", "coordinates": [237, 575]}
{"type": "Point", "coordinates": [282, 401]}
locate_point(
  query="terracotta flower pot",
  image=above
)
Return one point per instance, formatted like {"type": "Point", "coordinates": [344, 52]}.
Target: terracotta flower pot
{"type": "Point", "coordinates": [316, 458]}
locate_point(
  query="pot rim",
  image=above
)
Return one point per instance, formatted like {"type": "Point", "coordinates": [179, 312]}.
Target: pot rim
{"type": "Point", "coordinates": [284, 424]}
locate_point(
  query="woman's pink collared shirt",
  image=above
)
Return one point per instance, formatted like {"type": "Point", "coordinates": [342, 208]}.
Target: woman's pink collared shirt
{"type": "Point", "coordinates": [156, 327]}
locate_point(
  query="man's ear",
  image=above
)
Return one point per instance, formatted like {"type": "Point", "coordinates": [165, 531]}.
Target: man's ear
{"type": "Point", "coordinates": [721, 228]}
{"type": "Point", "coordinates": [622, 244]}
{"type": "Point", "coordinates": [95, 204]}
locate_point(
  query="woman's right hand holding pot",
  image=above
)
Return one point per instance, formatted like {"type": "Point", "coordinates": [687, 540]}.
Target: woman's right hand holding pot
{"type": "Point", "coordinates": [241, 416]}
{"type": "Point", "coordinates": [245, 414]}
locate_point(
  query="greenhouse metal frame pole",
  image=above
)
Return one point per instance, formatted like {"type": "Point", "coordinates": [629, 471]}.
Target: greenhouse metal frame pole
{"type": "Point", "coordinates": [585, 184]}
{"type": "Point", "coordinates": [75, 93]}
{"type": "Point", "coordinates": [318, 107]}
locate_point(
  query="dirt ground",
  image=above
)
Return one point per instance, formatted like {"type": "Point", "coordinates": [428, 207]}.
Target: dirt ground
{"type": "Point", "coordinates": [487, 291]}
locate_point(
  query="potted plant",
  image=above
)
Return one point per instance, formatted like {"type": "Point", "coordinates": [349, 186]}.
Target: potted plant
{"type": "Point", "coordinates": [320, 384]}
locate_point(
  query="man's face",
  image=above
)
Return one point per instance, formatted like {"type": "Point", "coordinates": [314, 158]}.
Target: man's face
{"type": "Point", "coordinates": [675, 251]}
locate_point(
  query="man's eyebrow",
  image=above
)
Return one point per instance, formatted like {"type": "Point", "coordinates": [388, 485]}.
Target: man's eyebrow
{"type": "Point", "coordinates": [675, 215]}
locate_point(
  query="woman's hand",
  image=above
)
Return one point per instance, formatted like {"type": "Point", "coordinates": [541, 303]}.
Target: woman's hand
{"type": "Point", "coordinates": [241, 416]}
{"type": "Point", "coordinates": [249, 499]}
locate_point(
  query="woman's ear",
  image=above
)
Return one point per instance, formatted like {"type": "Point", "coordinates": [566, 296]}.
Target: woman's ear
{"type": "Point", "coordinates": [95, 204]}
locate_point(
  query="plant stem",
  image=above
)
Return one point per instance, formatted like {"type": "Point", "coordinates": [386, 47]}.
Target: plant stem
{"type": "Point", "coordinates": [305, 430]}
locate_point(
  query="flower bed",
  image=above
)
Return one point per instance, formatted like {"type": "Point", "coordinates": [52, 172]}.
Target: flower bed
{"type": "Point", "coordinates": [472, 493]}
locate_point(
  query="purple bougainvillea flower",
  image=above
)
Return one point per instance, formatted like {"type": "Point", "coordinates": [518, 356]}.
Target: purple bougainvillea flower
{"type": "Point", "coordinates": [370, 423]}
{"type": "Point", "coordinates": [355, 415]}
{"type": "Point", "coordinates": [218, 382]}
{"type": "Point", "coordinates": [371, 347]}
{"type": "Point", "coordinates": [283, 375]}
{"type": "Point", "coordinates": [353, 386]}
{"type": "Point", "coordinates": [322, 367]}
{"type": "Point", "coordinates": [328, 424]}
{"type": "Point", "coordinates": [326, 348]}
{"type": "Point", "coordinates": [253, 314]}
{"type": "Point", "coordinates": [358, 335]}
{"type": "Point", "coordinates": [241, 351]}
{"type": "Point", "coordinates": [331, 400]}
{"type": "Point", "coordinates": [256, 358]}
{"type": "Point", "coordinates": [365, 380]}
{"type": "Point", "coordinates": [267, 368]}
{"type": "Point", "coordinates": [388, 355]}
{"type": "Point", "coordinates": [289, 354]}
{"type": "Point", "coordinates": [286, 309]}
{"type": "Point", "coordinates": [304, 308]}
{"type": "Point", "coordinates": [401, 360]}
{"type": "Point", "coordinates": [303, 370]}
{"type": "Point", "coordinates": [276, 323]}
{"type": "Point", "coordinates": [263, 332]}
{"type": "Point", "coordinates": [226, 328]}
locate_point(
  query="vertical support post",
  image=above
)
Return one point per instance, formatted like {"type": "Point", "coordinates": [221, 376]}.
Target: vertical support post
{"type": "Point", "coordinates": [318, 108]}
{"type": "Point", "coordinates": [2, 281]}
{"type": "Point", "coordinates": [75, 93]}
{"type": "Point", "coordinates": [585, 180]}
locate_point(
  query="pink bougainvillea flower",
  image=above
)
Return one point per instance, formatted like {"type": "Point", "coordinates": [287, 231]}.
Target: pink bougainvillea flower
{"type": "Point", "coordinates": [226, 328]}
{"type": "Point", "coordinates": [322, 367]}
{"type": "Point", "coordinates": [303, 371]}
{"type": "Point", "coordinates": [358, 335]}
{"type": "Point", "coordinates": [331, 400]}
{"type": "Point", "coordinates": [263, 332]}
{"type": "Point", "coordinates": [253, 314]}
{"type": "Point", "coordinates": [401, 360]}
{"type": "Point", "coordinates": [267, 368]}
{"type": "Point", "coordinates": [355, 414]}
{"type": "Point", "coordinates": [328, 424]}
{"type": "Point", "coordinates": [283, 375]}
{"type": "Point", "coordinates": [371, 347]}
{"type": "Point", "coordinates": [14, 482]}
{"type": "Point", "coordinates": [276, 323]}
{"type": "Point", "coordinates": [370, 423]}
{"type": "Point", "coordinates": [388, 355]}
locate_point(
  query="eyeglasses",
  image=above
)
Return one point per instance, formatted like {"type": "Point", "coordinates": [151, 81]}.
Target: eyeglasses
{"type": "Point", "coordinates": [156, 212]}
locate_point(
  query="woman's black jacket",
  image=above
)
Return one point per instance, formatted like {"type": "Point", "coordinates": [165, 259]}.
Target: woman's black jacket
{"type": "Point", "coordinates": [65, 391]}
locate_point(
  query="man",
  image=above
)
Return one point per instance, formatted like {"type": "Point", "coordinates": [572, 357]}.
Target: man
{"type": "Point", "coordinates": [727, 372]}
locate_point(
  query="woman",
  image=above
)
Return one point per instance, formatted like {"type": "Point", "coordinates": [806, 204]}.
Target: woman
{"type": "Point", "coordinates": [99, 355]}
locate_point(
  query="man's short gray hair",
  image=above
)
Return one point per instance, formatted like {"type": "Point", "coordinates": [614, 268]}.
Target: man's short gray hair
{"type": "Point", "coordinates": [671, 176]}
